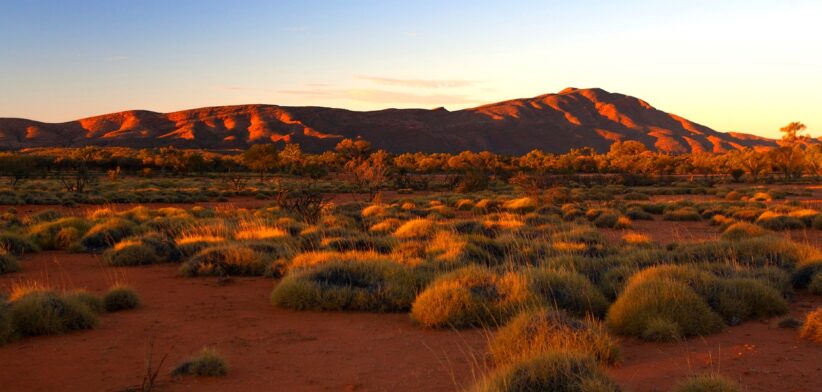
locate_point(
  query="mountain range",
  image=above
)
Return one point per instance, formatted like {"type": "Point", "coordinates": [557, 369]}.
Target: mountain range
{"type": "Point", "coordinates": [558, 122]}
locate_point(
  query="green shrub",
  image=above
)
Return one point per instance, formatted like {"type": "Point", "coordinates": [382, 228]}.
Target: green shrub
{"type": "Point", "coordinates": [606, 220]}
{"type": "Point", "coordinates": [376, 286]}
{"type": "Point", "coordinates": [569, 291]}
{"type": "Point", "coordinates": [535, 332]}
{"type": "Point", "coordinates": [106, 234]}
{"type": "Point", "coordinates": [644, 304]}
{"type": "Point", "coordinates": [738, 300]}
{"type": "Point", "coordinates": [775, 221]}
{"type": "Point", "coordinates": [471, 296]}
{"type": "Point", "coordinates": [416, 229]}
{"type": "Point", "coordinates": [226, 259]}
{"type": "Point", "coordinates": [708, 383]}
{"type": "Point", "coordinates": [805, 272]}
{"type": "Point", "coordinates": [682, 214]}
{"type": "Point", "coordinates": [93, 302]}
{"type": "Point", "coordinates": [812, 327]}
{"type": "Point", "coordinates": [42, 312]}
{"type": "Point", "coordinates": [521, 205]}
{"type": "Point", "coordinates": [742, 230]}
{"type": "Point", "coordinates": [120, 298]}
{"type": "Point", "coordinates": [661, 330]}
{"type": "Point", "coordinates": [130, 253]}
{"type": "Point", "coordinates": [554, 371]}
{"type": "Point", "coordinates": [208, 362]}
{"type": "Point", "coordinates": [8, 263]}
{"type": "Point", "coordinates": [17, 244]}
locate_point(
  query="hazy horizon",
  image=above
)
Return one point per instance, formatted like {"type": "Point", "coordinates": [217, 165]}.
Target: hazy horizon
{"type": "Point", "coordinates": [734, 66]}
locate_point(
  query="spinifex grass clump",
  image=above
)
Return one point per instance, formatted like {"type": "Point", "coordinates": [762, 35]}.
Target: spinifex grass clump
{"type": "Point", "coordinates": [8, 263]}
{"type": "Point", "coordinates": [208, 362]}
{"type": "Point", "coordinates": [567, 290]}
{"type": "Point", "coordinates": [812, 327]}
{"type": "Point", "coordinates": [107, 233]}
{"type": "Point", "coordinates": [17, 244]}
{"type": "Point", "coordinates": [557, 371]}
{"type": "Point", "coordinates": [227, 259]}
{"type": "Point", "coordinates": [535, 332]}
{"type": "Point", "coordinates": [45, 312]}
{"type": "Point", "coordinates": [120, 297]}
{"type": "Point", "coordinates": [708, 383]}
{"type": "Point", "coordinates": [471, 296]}
{"type": "Point", "coordinates": [369, 285]}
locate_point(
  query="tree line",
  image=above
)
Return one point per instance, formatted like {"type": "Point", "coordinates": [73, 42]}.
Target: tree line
{"type": "Point", "coordinates": [794, 157]}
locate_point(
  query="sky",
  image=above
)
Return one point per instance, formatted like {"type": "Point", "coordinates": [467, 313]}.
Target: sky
{"type": "Point", "coordinates": [744, 66]}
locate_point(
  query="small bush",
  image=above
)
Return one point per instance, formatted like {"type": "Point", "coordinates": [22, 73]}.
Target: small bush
{"type": "Point", "coordinates": [742, 230]}
{"type": "Point", "coordinates": [805, 272]}
{"type": "Point", "coordinates": [569, 291]}
{"type": "Point", "coordinates": [376, 286]}
{"type": "Point", "coordinates": [416, 229]}
{"type": "Point", "coordinates": [521, 205]}
{"type": "Point", "coordinates": [775, 221]}
{"type": "Point", "coordinates": [8, 263]}
{"type": "Point", "coordinates": [641, 306]}
{"type": "Point", "coordinates": [682, 214]}
{"type": "Point", "coordinates": [812, 327]}
{"type": "Point", "coordinates": [471, 296]}
{"type": "Point", "coordinates": [17, 244]}
{"type": "Point", "coordinates": [42, 312]}
{"type": "Point", "coordinates": [708, 383]}
{"type": "Point", "coordinates": [93, 302]}
{"type": "Point", "coordinates": [539, 331]}
{"type": "Point", "coordinates": [555, 371]}
{"type": "Point", "coordinates": [607, 220]}
{"type": "Point", "coordinates": [227, 259]}
{"type": "Point", "coordinates": [120, 298]}
{"type": "Point", "coordinates": [738, 300]}
{"type": "Point", "coordinates": [661, 330]}
{"type": "Point", "coordinates": [130, 253]}
{"type": "Point", "coordinates": [208, 362]}
{"type": "Point", "coordinates": [106, 234]}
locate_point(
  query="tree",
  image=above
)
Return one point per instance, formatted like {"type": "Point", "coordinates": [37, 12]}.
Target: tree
{"type": "Point", "coordinates": [18, 166]}
{"type": "Point", "coordinates": [291, 156]}
{"type": "Point", "coordinates": [261, 158]}
{"type": "Point", "coordinates": [754, 162]}
{"type": "Point", "coordinates": [78, 163]}
{"type": "Point", "coordinates": [789, 157]}
{"type": "Point", "coordinates": [369, 174]}
{"type": "Point", "coordinates": [349, 149]}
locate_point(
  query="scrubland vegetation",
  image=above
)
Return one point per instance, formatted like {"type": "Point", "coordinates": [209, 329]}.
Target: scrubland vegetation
{"type": "Point", "coordinates": [512, 245]}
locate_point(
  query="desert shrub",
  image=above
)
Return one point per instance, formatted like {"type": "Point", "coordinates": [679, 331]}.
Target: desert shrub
{"type": "Point", "coordinates": [374, 210]}
{"type": "Point", "coordinates": [208, 362]}
{"type": "Point", "coordinates": [385, 226]}
{"type": "Point", "coordinates": [359, 242]}
{"type": "Point", "coordinates": [521, 205]}
{"type": "Point", "coordinates": [464, 204]}
{"type": "Point", "coordinates": [708, 383]}
{"type": "Point", "coordinates": [643, 305]}
{"type": "Point", "coordinates": [815, 287]}
{"type": "Point", "coordinates": [751, 252]}
{"type": "Point", "coordinates": [8, 263]}
{"type": "Point", "coordinates": [807, 216]}
{"type": "Point", "coordinates": [226, 259]}
{"type": "Point", "coordinates": [637, 213]}
{"type": "Point", "coordinates": [661, 330]}
{"type": "Point", "coordinates": [568, 290]}
{"type": "Point", "coordinates": [107, 233]}
{"type": "Point", "coordinates": [607, 220]}
{"type": "Point", "coordinates": [682, 214]}
{"type": "Point", "coordinates": [471, 296]}
{"type": "Point", "coordinates": [812, 327]}
{"type": "Point", "coordinates": [742, 230]}
{"type": "Point", "coordinates": [775, 221]}
{"type": "Point", "coordinates": [636, 196]}
{"type": "Point", "coordinates": [416, 229]}
{"type": "Point", "coordinates": [42, 312]}
{"type": "Point", "coordinates": [556, 371]}
{"type": "Point", "coordinates": [93, 302]}
{"type": "Point", "coordinates": [130, 253]}
{"type": "Point", "coordinates": [120, 297]}
{"type": "Point", "coordinates": [308, 260]}
{"type": "Point", "coordinates": [6, 327]}
{"type": "Point", "coordinates": [805, 272]}
{"type": "Point", "coordinates": [377, 286]}
{"type": "Point", "coordinates": [636, 239]}
{"type": "Point", "coordinates": [738, 300]}
{"type": "Point", "coordinates": [733, 196]}
{"type": "Point", "coordinates": [53, 235]}
{"type": "Point", "coordinates": [817, 222]}
{"type": "Point", "coordinates": [42, 216]}
{"type": "Point", "coordinates": [17, 244]}
{"type": "Point", "coordinates": [535, 332]}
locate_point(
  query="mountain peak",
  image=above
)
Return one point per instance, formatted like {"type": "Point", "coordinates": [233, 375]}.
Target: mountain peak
{"type": "Point", "coordinates": [572, 118]}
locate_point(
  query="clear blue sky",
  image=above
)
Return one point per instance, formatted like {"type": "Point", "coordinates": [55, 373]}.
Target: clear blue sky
{"type": "Point", "coordinates": [748, 66]}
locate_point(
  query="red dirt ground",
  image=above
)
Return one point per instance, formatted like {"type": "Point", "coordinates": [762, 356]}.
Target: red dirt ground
{"type": "Point", "coordinates": [275, 349]}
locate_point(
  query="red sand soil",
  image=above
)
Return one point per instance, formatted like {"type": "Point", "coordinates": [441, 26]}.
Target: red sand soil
{"type": "Point", "coordinates": [266, 348]}
{"type": "Point", "coordinates": [275, 349]}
